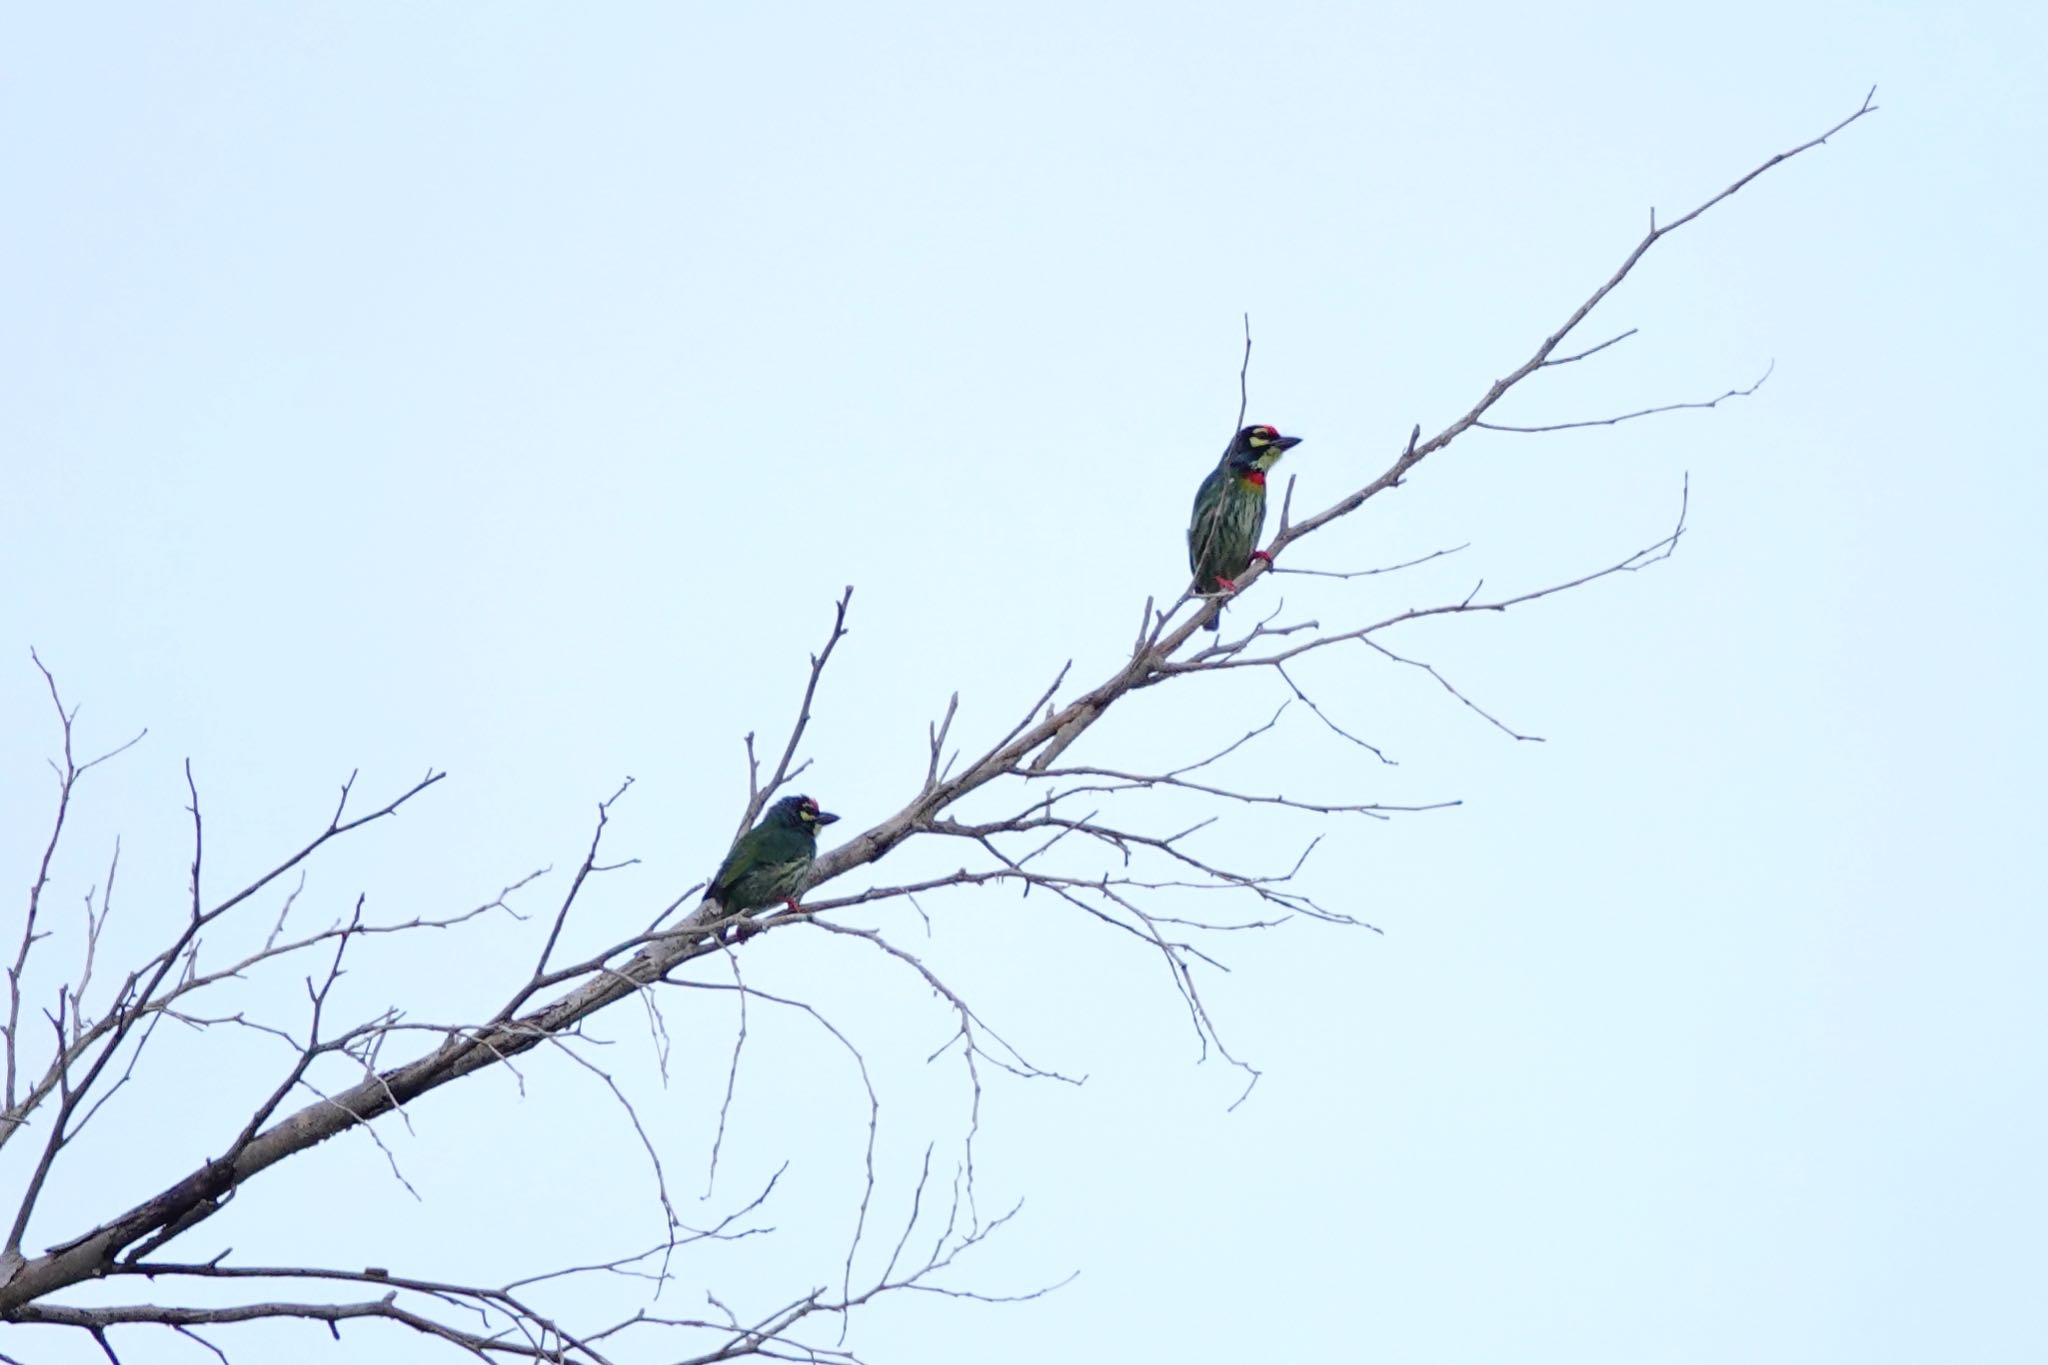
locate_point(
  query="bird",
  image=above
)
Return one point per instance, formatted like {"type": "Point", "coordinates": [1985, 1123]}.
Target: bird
{"type": "Point", "coordinates": [770, 861]}
{"type": "Point", "coordinates": [1230, 511]}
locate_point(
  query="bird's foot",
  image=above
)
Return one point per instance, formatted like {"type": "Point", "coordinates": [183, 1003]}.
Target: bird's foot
{"type": "Point", "coordinates": [1227, 585]}
{"type": "Point", "coordinates": [1261, 554]}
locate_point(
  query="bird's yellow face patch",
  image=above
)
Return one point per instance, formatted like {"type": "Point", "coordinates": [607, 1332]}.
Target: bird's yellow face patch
{"type": "Point", "coordinates": [809, 811]}
{"type": "Point", "coordinates": [1265, 440]}
{"type": "Point", "coordinates": [1256, 449]}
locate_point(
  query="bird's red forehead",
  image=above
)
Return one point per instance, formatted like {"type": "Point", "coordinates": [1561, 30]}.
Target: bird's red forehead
{"type": "Point", "coordinates": [1269, 431]}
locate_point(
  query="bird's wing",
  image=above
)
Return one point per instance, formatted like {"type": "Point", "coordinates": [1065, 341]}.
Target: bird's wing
{"type": "Point", "coordinates": [735, 862]}
{"type": "Point", "coordinates": [1206, 520]}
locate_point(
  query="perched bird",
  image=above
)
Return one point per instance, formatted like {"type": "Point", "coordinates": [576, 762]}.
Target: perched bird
{"type": "Point", "coordinates": [1230, 511]}
{"type": "Point", "coordinates": [770, 861]}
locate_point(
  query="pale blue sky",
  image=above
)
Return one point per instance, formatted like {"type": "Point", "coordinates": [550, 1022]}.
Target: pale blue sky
{"type": "Point", "coordinates": [511, 388]}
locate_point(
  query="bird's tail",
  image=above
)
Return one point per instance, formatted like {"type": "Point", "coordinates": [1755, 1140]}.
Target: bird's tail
{"type": "Point", "coordinates": [1215, 622]}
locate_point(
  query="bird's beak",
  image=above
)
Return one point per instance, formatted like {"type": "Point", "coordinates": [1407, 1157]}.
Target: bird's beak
{"type": "Point", "coordinates": [826, 817]}
{"type": "Point", "coordinates": [1286, 442]}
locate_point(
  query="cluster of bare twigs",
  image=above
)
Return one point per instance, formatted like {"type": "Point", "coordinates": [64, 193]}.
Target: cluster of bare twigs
{"type": "Point", "coordinates": [1051, 826]}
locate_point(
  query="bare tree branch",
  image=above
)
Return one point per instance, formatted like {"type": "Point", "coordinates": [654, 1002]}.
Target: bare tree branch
{"type": "Point", "coordinates": [1640, 412]}
{"type": "Point", "coordinates": [1064, 832]}
{"type": "Point", "coordinates": [67, 782]}
{"type": "Point", "coordinates": [783, 773]}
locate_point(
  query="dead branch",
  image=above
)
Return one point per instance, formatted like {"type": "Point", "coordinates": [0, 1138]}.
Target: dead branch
{"type": "Point", "coordinates": [1059, 811]}
{"type": "Point", "coordinates": [1640, 412]}
{"type": "Point", "coordinates": [758, 797]}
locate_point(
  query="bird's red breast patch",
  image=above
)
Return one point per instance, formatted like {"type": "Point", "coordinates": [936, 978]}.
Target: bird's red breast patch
{"type": "Point", "coordinates": [1255, 477]}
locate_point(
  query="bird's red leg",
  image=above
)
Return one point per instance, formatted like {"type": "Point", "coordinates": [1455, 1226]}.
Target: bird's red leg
{"type": "Point", "coordinates": [1225, 584]}
{"type": "Point", "coordinates": [1261, 554]}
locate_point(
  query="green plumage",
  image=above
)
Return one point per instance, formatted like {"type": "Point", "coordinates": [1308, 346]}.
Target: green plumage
{"type": "Point", "coordinates": [1230, 509]}
{"type": "Point", "coordinates": [770, 861]}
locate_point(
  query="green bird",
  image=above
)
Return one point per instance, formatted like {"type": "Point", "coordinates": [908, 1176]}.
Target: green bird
{"type": "Point", "coordinates": [770, 861]}
{"type": "Point", "coordinates": [1230, 511]}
